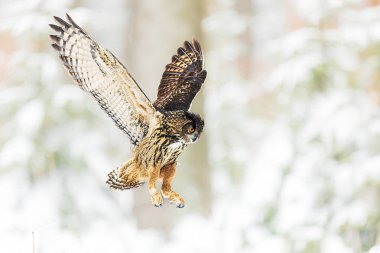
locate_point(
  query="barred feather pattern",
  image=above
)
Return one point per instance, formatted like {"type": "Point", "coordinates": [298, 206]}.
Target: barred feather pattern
{"type": "Point", "coordinates": [115, 181]}
{"type": "Point", "coordinates": [182, 79]}
{"type": "Point", "coordinates": [99, 72]}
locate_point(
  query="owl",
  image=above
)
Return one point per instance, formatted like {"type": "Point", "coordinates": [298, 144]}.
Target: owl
{"type": "Point", "coordinates": [158, 131]}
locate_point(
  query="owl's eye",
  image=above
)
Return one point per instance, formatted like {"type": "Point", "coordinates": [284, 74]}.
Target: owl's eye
{"type": "Point", "coordinates": [188, 128]}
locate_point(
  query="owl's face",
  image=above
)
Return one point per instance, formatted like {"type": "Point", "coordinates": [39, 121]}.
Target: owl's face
{"type": "Point", "coordinates": [185, 125]}
{"type": "Point", "coordinates": [193, 129]}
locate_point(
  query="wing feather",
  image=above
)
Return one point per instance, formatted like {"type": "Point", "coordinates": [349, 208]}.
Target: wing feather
{"type": "Point", "coordinates": [99, 72]}
{"type": "Point", "coordinates": [182, 79]}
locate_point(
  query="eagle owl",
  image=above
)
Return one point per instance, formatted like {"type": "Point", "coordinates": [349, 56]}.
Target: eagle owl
{"type": "Point", "coordinates": [158, 131]}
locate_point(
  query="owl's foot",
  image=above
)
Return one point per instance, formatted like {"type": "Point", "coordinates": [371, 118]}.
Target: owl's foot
{"type": "Point", "coordinates": [174, 198]}
{"type": "Point", "coordinates": [157, 199]}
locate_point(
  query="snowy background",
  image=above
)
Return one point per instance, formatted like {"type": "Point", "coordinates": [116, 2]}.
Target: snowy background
{"type": "Point", "coordinates": [290, 157]}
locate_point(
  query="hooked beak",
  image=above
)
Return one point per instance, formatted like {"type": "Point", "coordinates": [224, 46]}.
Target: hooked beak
{"type": "Point", "coordinates": [194, 137]}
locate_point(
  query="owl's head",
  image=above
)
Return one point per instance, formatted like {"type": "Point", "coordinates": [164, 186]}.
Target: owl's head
{"type": "Point", "coordinates": [186, 125]}
{"type": "Point", "coordinates": [192, 129]}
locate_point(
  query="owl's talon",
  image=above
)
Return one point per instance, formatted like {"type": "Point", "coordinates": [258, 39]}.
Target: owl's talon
{"type": "Point", "coordinates": [174, 198]}
{"type": "Point", "coordinates": [157, 200]}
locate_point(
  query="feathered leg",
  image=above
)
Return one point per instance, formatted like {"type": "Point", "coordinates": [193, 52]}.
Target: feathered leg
{"type": "Point", "coordinates": [167, 174]}
{"type": "Point", "coordinates": [156, 196]}
{"type": "Point", "coordinates": [128, 176]}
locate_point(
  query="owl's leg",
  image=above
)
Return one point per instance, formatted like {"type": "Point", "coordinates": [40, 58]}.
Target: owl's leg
{"type": "Point", "coordinates": [156, 196]}
{"type": "Point", "coordinates": [128, 176]}
{"type": "Point", "coordinates": [167, 174]}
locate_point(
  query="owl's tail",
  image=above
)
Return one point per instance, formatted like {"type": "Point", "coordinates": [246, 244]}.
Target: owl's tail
{"type": "Point", "coordinates": [127, 176]}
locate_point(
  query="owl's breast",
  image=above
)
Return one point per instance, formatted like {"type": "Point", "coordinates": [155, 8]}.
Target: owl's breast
{"type": "Point", "coordinates": [172, 151]}
{"type": "Point", "coordinates": [159, 150]}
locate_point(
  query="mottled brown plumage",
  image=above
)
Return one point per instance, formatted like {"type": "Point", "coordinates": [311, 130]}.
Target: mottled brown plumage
{"type": "Point", "coordinates": [158, 131]}
{"type": "Point", "coordinates": [182, 79]}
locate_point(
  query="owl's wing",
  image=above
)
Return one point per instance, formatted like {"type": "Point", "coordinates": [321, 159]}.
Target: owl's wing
{"type": "Point", "coordinates": [182, 79]}
{"type": "Point", "coordinates": [97, 71]}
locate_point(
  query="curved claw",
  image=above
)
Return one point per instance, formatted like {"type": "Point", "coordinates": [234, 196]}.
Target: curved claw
{"type": "Point", "coordinates": [180, 205]}
{"type": "Point", "coordinates": [174, 198]}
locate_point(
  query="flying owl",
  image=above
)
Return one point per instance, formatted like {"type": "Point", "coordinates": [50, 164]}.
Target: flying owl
{"type": "Point", "coordinates": [158, 131]}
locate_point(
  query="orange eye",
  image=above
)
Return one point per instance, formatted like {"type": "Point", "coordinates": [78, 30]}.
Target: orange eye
{"type": "Point", "coordinates": [188, 128]}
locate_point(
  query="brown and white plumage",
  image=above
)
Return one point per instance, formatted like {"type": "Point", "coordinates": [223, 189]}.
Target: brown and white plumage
{"type": "Point", "coordinates": [159, 131]}
{"type": "Point", "coordinates": [98, 72]}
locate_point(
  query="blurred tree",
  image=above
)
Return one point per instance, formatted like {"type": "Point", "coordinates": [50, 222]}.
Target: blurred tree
{"type": "Point", "coordinates": [322, 81]}
{"type": "Point", "coordinates": [153, 38]}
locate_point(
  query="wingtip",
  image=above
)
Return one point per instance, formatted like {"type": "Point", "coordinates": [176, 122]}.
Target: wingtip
{"type": "Point", "coordinates": [57, 18]}
{"type": "Point", "coordinates": [55, 38]}
{"type": "Point", "coordinates": [197, 45]}
{"type": "Point", "coordinates": [61, 21]}
{"type": "Point", "coordinates": [194, 44]}
{"type": "Point", "coordinates": [68, 16]}
{"type": "Point", "coordinates": [56, 47]}
{"type": "Point", "coordinates": [72, 22]}
{"type": "Point", "coordinates": [187, 45]}
{"type": "Point", "coordinates": [56, 28]}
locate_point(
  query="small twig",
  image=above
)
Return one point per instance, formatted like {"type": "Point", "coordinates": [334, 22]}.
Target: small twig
{"type": "Point", "coordinates": [33, 243]}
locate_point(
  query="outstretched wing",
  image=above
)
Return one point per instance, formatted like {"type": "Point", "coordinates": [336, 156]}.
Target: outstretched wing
{"type": "Point", "coordinates": [97, 71]}
{"type": "Point", "coordinates": [182, 79]}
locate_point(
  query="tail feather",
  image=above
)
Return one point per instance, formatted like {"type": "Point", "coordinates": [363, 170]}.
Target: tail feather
{"type": "Point", "coordinates": [116, 182]}
{"type": "Point", "coordinates": [126, 177]}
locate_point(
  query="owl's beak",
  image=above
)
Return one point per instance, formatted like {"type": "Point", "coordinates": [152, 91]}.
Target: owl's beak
{"type": "Point", "coordinates": [194, 137]}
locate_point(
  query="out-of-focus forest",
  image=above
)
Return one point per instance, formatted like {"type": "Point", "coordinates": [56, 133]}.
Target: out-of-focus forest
{"type": "Point", "coordinates": [289, 160]}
